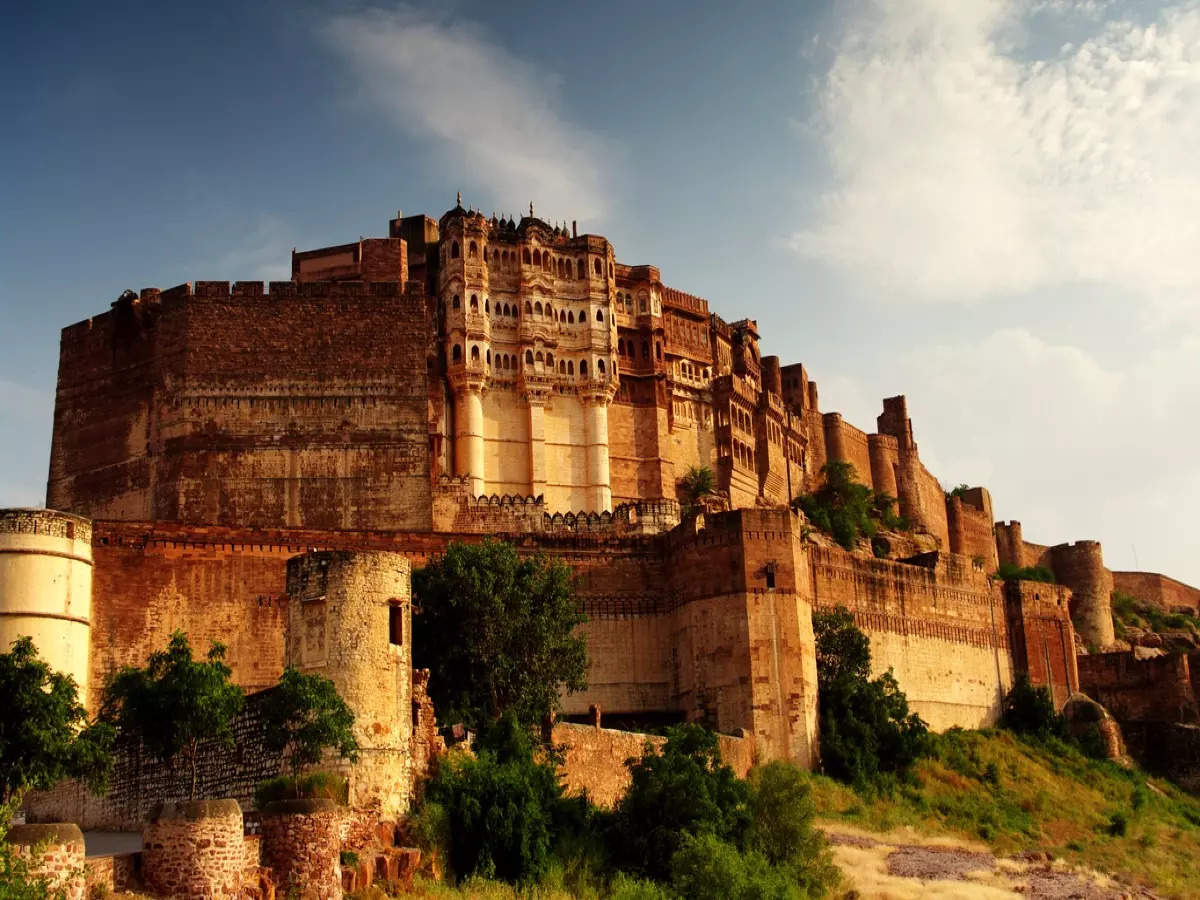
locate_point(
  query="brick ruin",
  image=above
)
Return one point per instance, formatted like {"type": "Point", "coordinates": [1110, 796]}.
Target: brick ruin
{"type": "Point", "coordinates": [473, 377]}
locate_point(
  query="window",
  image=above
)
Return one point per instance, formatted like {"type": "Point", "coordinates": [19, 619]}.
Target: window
{"type": "Point", "coordinates": [475, 353]}
{"type": "Point", "coordinates": [645, 349]}
{"type": "Point", "coordinates": [580, 270]}
{"type": "Point", "coordinates": [537, 309]}
{"type": "Point", "coordinates": [528, 308]}
{"type": "Point", "coordinates": [621, 347]}
{"type": "Point", "coordinates": [525, 255]}
{"type": "Point", "coordinates": [473, 250]}
{"type": "Point", "coordinates": [642, 305]}
{"type": "Point", "coordinates": [455, 302]}
{"type": "Point", "coordinates": [596, 266]}
{"type": "Point", "coordinates": [571, 318]}
{"type": "Point", "coordinates": [529, 357]}
{"type": "Point", "coordinates": [583, 368]}
{"type": "Point", "coordinates": [599, 316]}
{"type": "Point", "coordinates": [539, 357]}
{"type": "Point", "coordinates": [537, 257]}
{"type": "Point", "coordinates": [550, 360]}
{"type": "Point", "coordinates": [487, 308]}
{"type": "Point", "coordinates": [658, 349]}
{"type": "Point", "coordinates": [454, 250]}
{"type": "Point", "coordinates": [395, 624]}
{"type": "Point", "coordinates": [489, 357]}
{"type": "Point", "coordinates": [456, 353]}
{"type": "Point", "coordinates": [600, 366]}
{"type": "Point", "coordinates": [475, 302]}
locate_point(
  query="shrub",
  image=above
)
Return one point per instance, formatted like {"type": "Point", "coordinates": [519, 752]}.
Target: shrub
{"type": "Point", "coordinates": [707, 868]}
{"type": "Point", "coordinates": [846, 509]}
{"type": "Point", "coordinates": [867, 733]}
{"type": "Point", "coordinates": [682, 788]}
{"type": "Point", "coordinates": [781, 826]}
{"type": "Point", "coordinates": [1030, 710]}
{"type": "Point", "coordinates": [303, 717]}
{"type": "Point", "coordinates": [626, 887]}
{"type": "Point", "coordinates": [314, 786]}
{"type": "Point", "coordinates": [1011, 572]}
{"type": "Point", "coordinates": [495, 815]}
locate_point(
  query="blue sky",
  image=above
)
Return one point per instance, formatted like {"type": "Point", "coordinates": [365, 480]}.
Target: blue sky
{"type": "Point", "coordinates": [987, 206]}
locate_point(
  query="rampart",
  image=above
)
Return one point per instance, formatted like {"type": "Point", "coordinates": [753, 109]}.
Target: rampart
{"type": "Point", "coordinates": [1165, 593]}
{"type": "Point", "coordinates": [304, 405]}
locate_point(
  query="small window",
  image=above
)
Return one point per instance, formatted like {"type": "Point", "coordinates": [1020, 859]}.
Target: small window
{"type": "Point", "coordinates": [473, 250]}
{"type": "Point", "coordinates": [596, 266]}
{"type": "Point", "coordinates": [537, 257]}
{"type": "Point", "coordinates": [599, 316]}
{"type": "Point", "coordinates": [600, 366]}
{"type": "Point", "coordinates": [456, 353]}
{"type": "Point", "coordinates": [581, 270]}
{"type": "Point", "coordinates": [529, 357]}
{"type": "Point", "coordinates": [456, 303]}
{"type": "Point", "coordinates": [525, 255]}
{"type": "Point", "coordinates": [475, 302]}
{"type": "Point", "coordinates": [475, 354]}
{"type": "Point", "coordinates": [454, 252]}
{"type": "Point", "coordinates": [582, 368]}
{"type": "Point", "coordinates": [396, 624]}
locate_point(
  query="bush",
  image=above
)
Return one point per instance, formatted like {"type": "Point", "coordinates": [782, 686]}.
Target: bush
{"type": "Point", "coordinates": [495, 815]}
{"type": "Point", "coordinates": [707, 868]}
{"type": "Point", "coordinates": [1030, 710]}
{"type": "Point", "coordinates": [314, 786]}
{"type": "Point", "coordinates": [846, 509]}
{"type": "Point", "coordinates": [868, 736]}
{"type": "Point", "coordinates": [626, 887]}
{"type": "Point", "coordinates": [781, 826]}
{"type": "Point", "coordinates": [682, 788]}
{"type": "Point", "coordinates": [1010, 572]}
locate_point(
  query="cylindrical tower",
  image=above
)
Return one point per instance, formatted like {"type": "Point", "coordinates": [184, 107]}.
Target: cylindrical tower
{"type": "Point", "coordinates": [595, 411]}
{"type": "Point", "coordinates": [883, 454]}
{"type": "Point", "coordinates": [350, 619]}
{"type": "Point", "coordinates": [1080, 566]}
{"type": "Point", "coordinates": [46, 587]}
{"type": "Point", "coordinates": [772, 375]}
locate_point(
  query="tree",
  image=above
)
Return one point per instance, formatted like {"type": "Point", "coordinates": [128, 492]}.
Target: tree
{"type": "Point", "coordinates": [681, 789]}
{"type": "Point", "coordinates": [303, 717]}
{"type": "Point", "coordinates": [866, 728]}
{"type": "Point", "coordinates": [496, 632]}
{"type": "Point", "coordinates": [1030, 710]}
{"type": "Point", "coordinates": [44, 732]}
{"type": "Point", "coordinates": [697, 483]}
{"type": "Point", "coordinates": [176, 705]}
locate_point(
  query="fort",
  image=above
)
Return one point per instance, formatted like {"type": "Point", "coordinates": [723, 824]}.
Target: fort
{"type": "Point", "coordinates": [262, 464]}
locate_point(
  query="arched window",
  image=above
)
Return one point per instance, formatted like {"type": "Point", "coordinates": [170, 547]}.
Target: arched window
{"type": "Point", "coordinates": [658, 349]}
{"type": "Point", "coordinates": [580, 269]}
{"type": "Point", "coordinates": [645, 349]}
{"type": "Point", "coordinates": [547, 263]}
{"type": "Point", "coordinates": [455, 303]}
{"type": "Point", "coordinates": [487, 307]}
{"type": "Point", "coordinates": [621, 347]}
{"type": "Point", "coordinates": [642, 305]}
{"type": "Point", "coordinates": [456, 353]}
{"type": "Point", "coordinates": [525, 254]}
{"type": "Point", "coordinates": [496, 257]}
{"type": "Point", "coordinates": [489, 357]}
{"type": "Point", "coordinates": [529, 357]}
{"type": "Point", "coordinates": [571, 318]}
{"type": "Point", "coordinates": [537, 257]}
{"type": "Point", "coordinates": [570, 367]}
{"type": "Point", "coordinates": [539, 357]}
{"type": "Point", "coordinates": [583, 368]}
{"type": "Point", "coordinates": [599, 316]}
{"type": "Point", "coordinates": [596, 266]}
{"type": "Point", "coordinates": [528, 308]}
{"type": "Point", "coordinates": [562, 367]}
{"type": "Point", "coordinates": [561, 272]}
{"type": "Point", "coordinates": [475, 302]}
{"type": "Point", "coordinates": [537, 308]}
{"type": "Point", "coordinates": [473, 250]}
{"type": "Point", "coordinates": [549, 310]}
{"type": "Point", "coordinates": [475, 354]}
{"type": "Point", "coordinates": [600, 366]}
{"type": "Point", "coordinates": [550, 360]}
{"type": "Point", "coordinates": [454, 250]}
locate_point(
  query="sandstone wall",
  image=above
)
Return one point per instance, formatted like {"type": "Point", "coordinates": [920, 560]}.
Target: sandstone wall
{"type": "Point", "coordinates": [306, 405]}
{"type": "Point", "coordinates": [939, 628]}
{"type": "Point", "coordinates": [1041, 635]}
{"type": "Point", "coordinates": [194, 850]}
{"type": "Point", "coordinates": [1140, 690]}
{"type": "Point", "coordinates": [845, 443]}
{"type": "Point", "coordinates": [1164, 592]}
{"type": "Point", "coordinates": [969, 521]}
{"type": "Point", "coordinates": [595, 758]}
{"type": "Point", "coordinates": [59, 859]}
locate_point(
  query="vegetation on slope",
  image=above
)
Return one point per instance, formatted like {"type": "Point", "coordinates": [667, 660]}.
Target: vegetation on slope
{"type": "Point", "coordinates": [848, 510]}
{"type": "Point", "coordinates": [1011, 572]}
{"type": "Point", "coordinates": [1020, 794]}
{"type": "Point", "coordinates": [1131, 616]}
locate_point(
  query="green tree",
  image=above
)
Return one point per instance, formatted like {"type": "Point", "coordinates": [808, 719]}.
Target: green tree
{"type": "Point", "coordinates": [707, 868]}
{"type": "Point", "coordinates": [781, 826]}
{"type": "Point", "coordinates": [44, 732]}
{"type": "Point", "coordinates": [682, 788]}
{"type": "Point", "coordinates": [867, 730]}
{"type": "Point", "coordinates": [176, 705]}
{"type": "Point", "coordinates": [303, 717]}
{"type": "Point", "coordinates": [496, 630]}
{"type": "Point", "coordinates": [697, 483]}
{"type": "Point", "coordinates": [1030, 710]}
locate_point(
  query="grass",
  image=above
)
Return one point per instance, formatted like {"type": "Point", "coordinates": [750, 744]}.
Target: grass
{"type": "Point", "coordinates": [1016, 795]}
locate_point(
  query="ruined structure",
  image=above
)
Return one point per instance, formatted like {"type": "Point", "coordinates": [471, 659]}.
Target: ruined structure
{"type": "Point", "coordinates": [482, 376]}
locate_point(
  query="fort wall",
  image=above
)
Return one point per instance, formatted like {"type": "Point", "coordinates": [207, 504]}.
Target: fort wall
{"type": "Point", "coordinates": [1165, 593]}
{"type": "Point", "coordinates": [845, 443]}
{"type": "Point", "coordinates": [969, 522]}
{"type": "Point", "coordinates": [1041, 635]}
{"type": "Point", "coordinates": [231, 404]}
{"type": "Point", "coordinates": [939, 626]}
{"type": "Point", "coordinates": [1080, 566]}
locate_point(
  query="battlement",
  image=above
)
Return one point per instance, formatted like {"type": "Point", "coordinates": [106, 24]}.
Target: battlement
{"type": "Point", "coordinates": [682, 300]}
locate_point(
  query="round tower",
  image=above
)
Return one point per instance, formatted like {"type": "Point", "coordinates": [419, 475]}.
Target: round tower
{"type": "Point", "coordinates": [1080, 566]}
{"type": "Point", "coordinates": [46, 587]}
{"type": "Point", "coordinates": [350, 619]}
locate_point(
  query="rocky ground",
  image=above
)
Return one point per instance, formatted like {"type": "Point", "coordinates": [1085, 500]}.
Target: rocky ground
{"type": "Point", "coordinates": [905, 864]}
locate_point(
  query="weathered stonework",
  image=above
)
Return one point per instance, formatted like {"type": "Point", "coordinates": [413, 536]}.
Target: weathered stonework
{"type": "Point", "coordinates": [194, 850]}
{"type": "Point", "coordinates": [59, 856]}
{"type": "Point", "coordinates": [300, 843]}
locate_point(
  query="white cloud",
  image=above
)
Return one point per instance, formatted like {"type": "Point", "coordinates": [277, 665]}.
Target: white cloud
{"type": "Point", "coordinates": [1071, 446]}
{"type": "Point", "coordinates": [496, 114]}
{"type": "Point", "coordinates": [964, 169]}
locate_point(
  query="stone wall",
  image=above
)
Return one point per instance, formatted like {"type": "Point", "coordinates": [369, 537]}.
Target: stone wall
{"type": "Point", "coordinates": [60, 858]}
{"type": "Point", "coordinates": [1140, 690]}
{"type": "Point", "coordinates": [1041, 635]}
{"type": "Point", "coordinates": [1164, 592]}
{"type": "Point", "coordinates": [594, 758]}
{"type": "Point", "coordinates": [304, 405]}
{"type": "Point", "coordinates": [300, 843]}
{"type": "Point", "coordinates": [194, 850]}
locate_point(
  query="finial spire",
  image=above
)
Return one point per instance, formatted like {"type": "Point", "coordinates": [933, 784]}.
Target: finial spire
{"type": "Point", "coordinates": [458, 200]}
{"type": "Point", "coordinates": [531, 209]}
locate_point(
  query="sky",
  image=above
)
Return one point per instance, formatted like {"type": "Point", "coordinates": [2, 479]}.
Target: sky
{"type": "Point", "coordinates": [991, 207]}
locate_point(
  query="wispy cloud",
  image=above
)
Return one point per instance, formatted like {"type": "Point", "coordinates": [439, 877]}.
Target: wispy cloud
{"type": "Point", "coordinates": [498, 116]}
{"type": "Point", "coordinates": [964, 169]}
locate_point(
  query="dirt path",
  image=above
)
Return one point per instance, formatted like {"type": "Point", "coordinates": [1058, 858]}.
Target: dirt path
{"type": "Point", "coordinates": [904, 864]}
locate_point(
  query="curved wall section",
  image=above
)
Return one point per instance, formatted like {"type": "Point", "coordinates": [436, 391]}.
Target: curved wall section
{"type": "Point", "coordinates": [46, 586]}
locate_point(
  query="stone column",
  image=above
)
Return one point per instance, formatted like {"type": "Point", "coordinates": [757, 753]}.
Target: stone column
{"type": "Point", "coordinates": [595, 417]}
{"type": "Point", "coordinates": [468, 436]}
{"type": "Point", "coordinates": [301, 844]}
{"type": "Point", "coordinates": [537, 443]}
